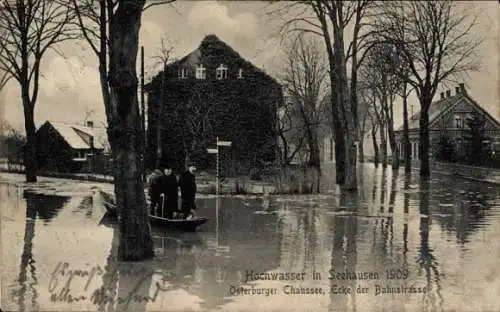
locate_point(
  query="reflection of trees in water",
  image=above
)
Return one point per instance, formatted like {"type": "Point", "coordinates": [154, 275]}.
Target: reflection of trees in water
{"type": "Point", "coordinates": [344, 253]}
{"type": "Point", "coordinates": [383, 189]}
{"type": "Point", "coordinates": [470, 207]}
{"type": "Point", "coordinates": [406, 207]}
{"type": "Point", "coordinates": [300, 240]}
{"type": "Point", "coordinates": [38, 206]}
{"type": "Point", "coordinates": [385, 224]}
{"type": "Point", "coordinates": [125, 285]}
{"type": "Point", "coordinates": [426, 259]}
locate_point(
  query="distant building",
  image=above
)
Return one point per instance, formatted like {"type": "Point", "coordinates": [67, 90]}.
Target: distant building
{"type": "Point", "coordinates": [65, 147]}
{"type": "Point", "coordinates": [448, 117]}
{"type": "Point", "coordinates": [213, 92]}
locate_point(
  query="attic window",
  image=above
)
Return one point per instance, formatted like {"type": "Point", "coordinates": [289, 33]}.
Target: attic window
{"type": "Point", "coordinates": [240, 73]}
{"type": "Point", "coordinates": [221, 72]}
{"type": "Point", "coordinates": [201, 72]}
{"type": "Point", "coordinates": [182, 73]}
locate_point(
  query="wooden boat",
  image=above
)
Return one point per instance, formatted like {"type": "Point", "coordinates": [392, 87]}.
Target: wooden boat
{"type": "Point", "coordinates": [178, 224]}
{"type": "Point", "coordinates": [187, 225]}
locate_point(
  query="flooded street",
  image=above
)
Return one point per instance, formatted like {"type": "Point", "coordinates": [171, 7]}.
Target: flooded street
{"type": "Point", "coordinates": [396, 245]}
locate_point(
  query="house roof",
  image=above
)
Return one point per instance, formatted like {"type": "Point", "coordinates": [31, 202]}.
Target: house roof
{"type": "Point", "coordinates": [71, 136]}
{"type": "Point", "coordinates": [193, 58]}
{"type": "Point", "coordinates": [440, 107]}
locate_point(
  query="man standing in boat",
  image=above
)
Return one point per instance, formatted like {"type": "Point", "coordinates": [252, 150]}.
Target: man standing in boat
{"type": "Point", "coordinates": [170, 190]}
{"type": "Point", "coordinates": [187, 184]}
{"type": "Point", "coordinates": [155, 189]}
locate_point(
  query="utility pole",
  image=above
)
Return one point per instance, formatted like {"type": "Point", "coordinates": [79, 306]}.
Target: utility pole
{"type": "Point", "coordinates": [143, 119]}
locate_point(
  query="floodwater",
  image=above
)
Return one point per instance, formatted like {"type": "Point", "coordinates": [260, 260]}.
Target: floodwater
{"type": "Point", "coordinates": [434, 245]}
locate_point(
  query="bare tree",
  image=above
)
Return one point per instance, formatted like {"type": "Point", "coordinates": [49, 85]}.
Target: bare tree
{"type": "Point", "coordinates": [364, 119]}
{"type": "Point", "coordinates": [378, 118]}
{"type": "Point", "coordinates": [437, 43]}
{"type": "Point", "coordinates": [304, 81]}
{"type": "Point", "coordinates": [332, 20]}
{"type": "Point", "coordinates": [111, 28]}
{"type": "Point", "coordinates": [380, 74]}
{"type": "Point", "coordinates": [291, 139]}
{"type": "Point", "coordinates": [404, 92]}
{"type": "Point", "coordinates": [29, 29]}
{"type": "Point", "coordinates": [197, 122]}
{"type": "Point", "coordinates": [163, 57]}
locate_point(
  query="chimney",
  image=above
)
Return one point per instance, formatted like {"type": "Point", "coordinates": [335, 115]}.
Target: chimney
{"type": "Point", "coordinates": [442, 95]}
{"type": "Point", "coordinates": [457, 90]}
{"type": "Point", "coordinates": [90, 124]}
{"type": "Point", "coordinates": [448, 93]}
{"type": "Point", "coordinates": [462, 88]}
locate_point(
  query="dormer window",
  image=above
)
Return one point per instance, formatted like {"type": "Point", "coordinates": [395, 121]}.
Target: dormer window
{"type": "Point", "coordinates": [182, 73]}
{"type": "Point", "coordinates": [201, 72]}
{"type": "Point", "coordinates": [221, 72]}
{"type": "Point", "coordinates": [240, 73]}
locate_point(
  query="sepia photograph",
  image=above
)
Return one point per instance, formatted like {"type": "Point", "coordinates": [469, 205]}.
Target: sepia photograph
{"type": "Point", "coordinates": [223, 155]}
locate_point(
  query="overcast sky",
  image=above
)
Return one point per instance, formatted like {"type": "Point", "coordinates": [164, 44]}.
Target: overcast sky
{"type": "Point", "coordinates": [70, 84]}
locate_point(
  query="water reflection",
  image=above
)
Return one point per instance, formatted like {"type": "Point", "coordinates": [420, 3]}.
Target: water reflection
{"type": "Point", "coordinates": [395, 221]}
{"type": "Point", "coordinates": [344, 253]}
{"type": "Point", "coordinates": [38, 206]}
{"type": "Point", "coordinates": [426, 260]}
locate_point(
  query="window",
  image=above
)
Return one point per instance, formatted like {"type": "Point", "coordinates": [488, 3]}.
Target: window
{"type": "Point", "coordinates": [221, 72]}
{"type": "Point", "coordinates": [458, 121]}
{"type": "Point", "coordinates": [182, 73]}
{"type": "Point", "coordinates": [240, 73]}
{"type": "Point", "coordinates": [201, 72]}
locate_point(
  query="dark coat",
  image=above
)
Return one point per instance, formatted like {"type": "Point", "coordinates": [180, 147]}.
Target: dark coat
{"type": "Point", "coordinates": [170, 189]}
{"type": "Point", "coordinates": [187, 184]}
{"type": "Point", "coordinates": [170, 186]}
{"type": "Point", "coordinates": [155, 185]}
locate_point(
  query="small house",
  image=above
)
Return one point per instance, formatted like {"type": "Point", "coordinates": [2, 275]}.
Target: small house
{"type": "Point", "coordinates": [65, 147]}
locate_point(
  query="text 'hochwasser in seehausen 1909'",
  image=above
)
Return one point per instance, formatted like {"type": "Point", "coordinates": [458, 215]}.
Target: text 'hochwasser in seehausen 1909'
{"type": "Point", "coordinates": [390, 281]}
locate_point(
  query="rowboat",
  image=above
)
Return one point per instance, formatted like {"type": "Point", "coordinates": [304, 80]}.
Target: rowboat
{"type": "Point", "coordinates": [186, 225]}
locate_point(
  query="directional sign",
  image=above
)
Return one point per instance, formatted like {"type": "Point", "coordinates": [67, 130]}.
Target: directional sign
{"type": "Point", "coordinates": [212, 150]}
{"type": "Point", "coordinates": [224, 143]}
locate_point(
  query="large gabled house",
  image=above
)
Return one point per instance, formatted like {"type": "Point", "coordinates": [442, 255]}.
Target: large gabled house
{"type": "Point", "coordinates": [65, 147]}
{"type": "Point", "coordinates": [448, 117]}
{"type": "Point", "coordinates": [212, 92]}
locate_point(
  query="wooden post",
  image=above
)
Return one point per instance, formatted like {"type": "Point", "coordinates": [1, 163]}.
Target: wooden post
{"type": "Point", "coordinates": [143, 119]}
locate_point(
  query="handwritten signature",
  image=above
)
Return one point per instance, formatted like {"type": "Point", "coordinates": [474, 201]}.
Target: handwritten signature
{"type": "Point", "coordinates": [100, 295]}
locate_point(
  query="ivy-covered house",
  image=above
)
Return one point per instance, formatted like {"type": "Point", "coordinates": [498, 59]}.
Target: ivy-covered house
{"type": "Point", "coordinates": [212, 92]}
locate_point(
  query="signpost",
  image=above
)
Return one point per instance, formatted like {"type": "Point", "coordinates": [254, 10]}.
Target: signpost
{"type": "Point", "coordinates": [216, 151]}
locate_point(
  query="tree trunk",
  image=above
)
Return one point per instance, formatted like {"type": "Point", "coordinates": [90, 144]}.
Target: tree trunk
{"type": "Point", "coordinates": [339, 156]}
{"type": "Point", "coordinates": [394, 147]}
{"type": "Point", "coordinates": [159, 117]}
{"type": "Point", "coordinates": [124, 132]}
{"type": "Point", "coordinates": [30, 161]}
{"type": "Point", "coordinates": [383, 145]}
{"type": "Point", "coordinates": [406, 134]}
{"type": "Point", "coordinates": [361, 150]}
{"type": "Point", "coordinates": [375, 146]}
{"type": "Point", "coordinates": [158, 145]}
{"type": "Point", "coordinates": [314, 159]}
{"type": "Point", "coordinates": [351, 182]}
{"type": "Point", "coordinates": [423, 142]}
